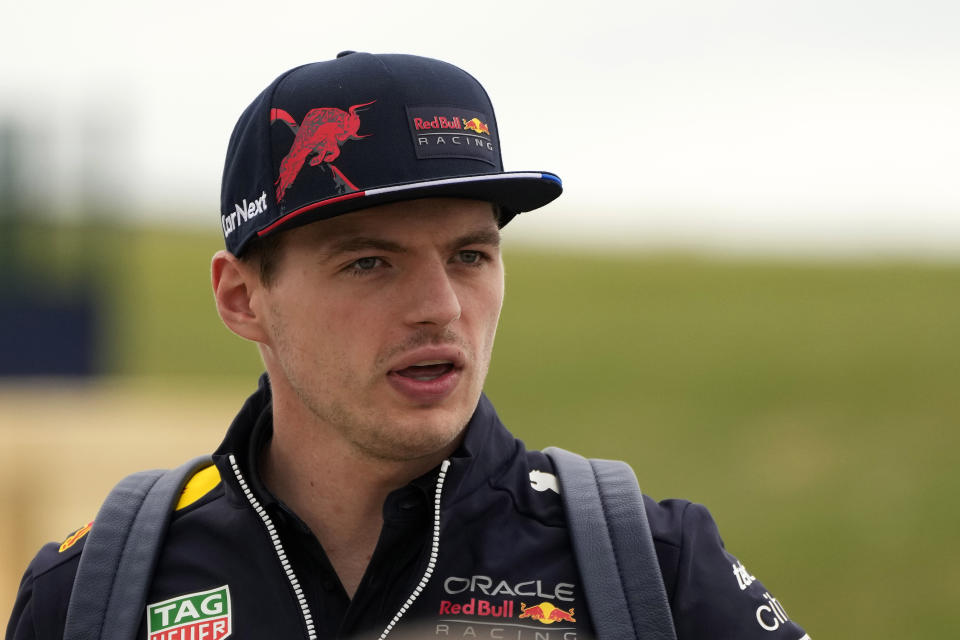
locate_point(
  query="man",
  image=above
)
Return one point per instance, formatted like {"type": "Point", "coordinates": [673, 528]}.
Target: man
{"type": "Point", "coordinates": [367, 488]}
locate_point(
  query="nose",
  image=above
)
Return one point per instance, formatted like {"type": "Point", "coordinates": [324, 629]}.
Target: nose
{"type": "Point", "coordinates": [432, 297]}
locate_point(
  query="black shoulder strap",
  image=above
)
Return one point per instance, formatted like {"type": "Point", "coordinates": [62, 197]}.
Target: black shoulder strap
{"type": "Point", "coordinates": [614, 548]}
{"type": "Point", "coordinates": [116, 565]}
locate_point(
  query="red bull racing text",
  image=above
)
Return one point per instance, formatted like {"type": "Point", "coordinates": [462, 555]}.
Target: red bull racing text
{"type": "Point", "coordinates": [499, 609]}
{"type": "Point", "coordinates": [479, 608]}
{"type": "Point", "coordinates": [449, 132]}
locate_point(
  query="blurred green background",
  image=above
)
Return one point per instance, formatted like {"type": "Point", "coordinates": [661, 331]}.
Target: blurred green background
{"type": "Point", "coordinates": [811, 405]}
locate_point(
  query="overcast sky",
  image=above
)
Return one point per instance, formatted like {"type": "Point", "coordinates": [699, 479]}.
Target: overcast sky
{"type": "Point", "coordinates": [814, 124]}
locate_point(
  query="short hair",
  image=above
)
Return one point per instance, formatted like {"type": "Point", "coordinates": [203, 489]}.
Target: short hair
{"type": "Point", "coordinates": [264, 252]}
{"type": "Point", "coordinates": [264, 255]}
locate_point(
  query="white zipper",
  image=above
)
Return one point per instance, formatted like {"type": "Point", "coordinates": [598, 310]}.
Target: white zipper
{"type": "Point", "coordinates": [292, 577]}
{"type": "Point", "coordinates": [434, 550]}
{"type": "Point", "coordinates": [278, 547]}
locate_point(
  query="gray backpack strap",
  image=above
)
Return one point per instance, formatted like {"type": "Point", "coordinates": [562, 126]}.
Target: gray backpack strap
{"type": "Point", "coordinates": [116, 566]}
{"type": "Point", "coordinates": [614, 548]}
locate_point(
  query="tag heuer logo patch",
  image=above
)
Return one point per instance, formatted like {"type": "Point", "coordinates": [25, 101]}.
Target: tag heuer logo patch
{"type": "Point", "coordinates": [204, 615]}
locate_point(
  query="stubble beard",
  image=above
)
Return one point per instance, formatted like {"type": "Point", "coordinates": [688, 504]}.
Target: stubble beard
{"type": "Point", "coordinates": [411, 434]}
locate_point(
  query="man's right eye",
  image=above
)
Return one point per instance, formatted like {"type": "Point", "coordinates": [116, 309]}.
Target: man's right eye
{"type": "Point", "coordinates": [363, 265]}
{"type": "Point", "coordinates": [366, 263]}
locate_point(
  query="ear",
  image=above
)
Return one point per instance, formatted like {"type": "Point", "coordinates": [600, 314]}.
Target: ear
{"type": "Point", "coordinates": [234, 284]}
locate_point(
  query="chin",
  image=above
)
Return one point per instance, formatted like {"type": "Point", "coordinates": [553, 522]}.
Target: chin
{"type": "Point", "coordinates": [425, 431]}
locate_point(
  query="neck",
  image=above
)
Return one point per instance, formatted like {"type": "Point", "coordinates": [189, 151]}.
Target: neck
{"type": "Point", "coordinates": [335, 489]}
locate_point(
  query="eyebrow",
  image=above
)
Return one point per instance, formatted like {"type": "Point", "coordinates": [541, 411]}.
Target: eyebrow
{"type": "Point", "coordinates": [490, 237]}
{"type": "Point", "coordinates": [362, 243]}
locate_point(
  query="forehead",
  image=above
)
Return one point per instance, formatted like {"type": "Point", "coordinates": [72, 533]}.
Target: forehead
{"type": "Point", "coordinates": [426, 219]}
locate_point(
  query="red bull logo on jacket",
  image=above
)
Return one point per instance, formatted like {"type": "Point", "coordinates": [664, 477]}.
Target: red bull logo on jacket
{"type": "Point", "coordinates": [480, 608]}
{"type": "Point", "coordinates": [75, 537]}
{"type": "Point", "coordinates": [546, 613]}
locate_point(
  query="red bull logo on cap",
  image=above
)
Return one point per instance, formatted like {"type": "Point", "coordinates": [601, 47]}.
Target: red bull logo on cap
{"type": "Point", "coordinates": [317, 141]}
{"type": "Point", "coordinates": [437, 122]}
{"type": "Point", "coordinates": [475, 125]}
{"type": "Point", "coordinates": [445, 131]}
{"type": "Point", "coordinates": [546, 613]}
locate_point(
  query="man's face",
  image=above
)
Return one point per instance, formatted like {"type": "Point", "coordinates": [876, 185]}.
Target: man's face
{"type": "Point", "coordinates": [381, 322]}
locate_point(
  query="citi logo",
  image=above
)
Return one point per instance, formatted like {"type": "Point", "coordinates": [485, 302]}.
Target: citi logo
{"type": "Point", "coordinates": [771, 615]}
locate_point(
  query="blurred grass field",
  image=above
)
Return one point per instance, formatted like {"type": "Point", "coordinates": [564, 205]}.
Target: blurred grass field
{"type": "Point", "coordinates": [812, 405]}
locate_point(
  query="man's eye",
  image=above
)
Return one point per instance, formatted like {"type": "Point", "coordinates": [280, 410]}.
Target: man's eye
{"type": "Point", "coordinates": [364, 264]}
{"type": "Point", "coordinates": [471, 257]}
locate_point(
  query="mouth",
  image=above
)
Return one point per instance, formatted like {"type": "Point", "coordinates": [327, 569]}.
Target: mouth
{"type": "Point", "coordinates": [426, 371]}
{"type": "Point", "coordinates": [429, 375]}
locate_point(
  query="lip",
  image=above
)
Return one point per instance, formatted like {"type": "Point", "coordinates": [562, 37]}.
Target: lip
{"type": "Point", "coordinates": [426, 392]}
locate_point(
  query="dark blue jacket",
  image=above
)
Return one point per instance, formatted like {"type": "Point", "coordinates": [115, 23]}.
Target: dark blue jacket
{"type": "Point", "coordinates": [238, 562]}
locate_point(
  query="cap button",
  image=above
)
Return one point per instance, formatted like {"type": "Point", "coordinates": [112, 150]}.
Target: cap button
{"type": "Point", "coordinates": [344, 53]}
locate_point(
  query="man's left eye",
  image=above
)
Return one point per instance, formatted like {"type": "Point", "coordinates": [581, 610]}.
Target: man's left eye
{"type": "Point", "coordinates": [365, 264]}
{"type": "Point", "coordinates": [470, 257]}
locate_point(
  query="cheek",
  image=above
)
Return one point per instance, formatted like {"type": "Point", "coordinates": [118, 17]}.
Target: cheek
{"type": "Point", "coordinates": [495, 293]}
{"type": "Point", "coordinates": [488, 301]}
{"type": "Point", "coordinates": [350, 331]}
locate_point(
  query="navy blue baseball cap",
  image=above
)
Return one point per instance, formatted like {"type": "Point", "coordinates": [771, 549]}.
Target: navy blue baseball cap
{"type": "Point", "coordinates": [332, 137]}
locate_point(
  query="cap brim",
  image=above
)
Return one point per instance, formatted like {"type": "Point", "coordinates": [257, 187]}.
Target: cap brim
{"type": "Point", "coordinates": [515, 192]}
